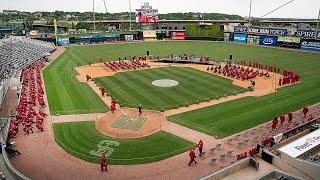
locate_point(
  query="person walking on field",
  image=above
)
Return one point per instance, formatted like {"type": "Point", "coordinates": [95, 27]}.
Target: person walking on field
{"type": "Point", "coordinates": [200, 147]}
{"type": "Point", "coordinates": [104, 163]}
{"type": "Point", "coordinates": [140, 109]}
{"type": "Point", "coordinates": [305, 111]}
{"type": "Point", "coordinates": [192, 156]}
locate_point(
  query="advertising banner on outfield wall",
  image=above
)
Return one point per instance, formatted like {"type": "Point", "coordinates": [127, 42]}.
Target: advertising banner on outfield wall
{"type": "Point", "coordinates": [178, 35]}
{"type": "Point", "coordinates": [63, 41]}
{"type": "Point", "coordinates": [261, 30]}
{"type": "Point", "coordinates": [128, 38]}
{"type": "Point", "coordinates": [226, 36]}
{"type": "Point", "coordinates": [306, 34]}
{"type": "Point", "coordinates": [268, 40]}
{"type": "Point", "coordinates": [240, 38]}
{"type": "Point", "coordinates": [289, 39]}
{"type": "Point", "coordinates": [310, 45]}
{"type": "Point", "coordinates": [253, 40]}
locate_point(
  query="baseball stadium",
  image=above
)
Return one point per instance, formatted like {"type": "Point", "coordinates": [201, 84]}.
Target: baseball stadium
{"type": "Point", "coordinates": [198, 99]}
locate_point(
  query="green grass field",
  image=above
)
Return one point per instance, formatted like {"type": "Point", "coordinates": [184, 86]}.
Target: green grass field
{"type": "Point", "coordinates": [129, 122]}
{"type": "Point", "coordinates": [135, 87]}
{"type": "Point", "coordinates": [81, 139]}
{"type": "Point", "coordinates": [67, 95]}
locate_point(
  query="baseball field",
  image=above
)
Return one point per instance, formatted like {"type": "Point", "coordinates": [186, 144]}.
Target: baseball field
{"type": "Point", "coordinates": [82, 140]}
{"type": "Point", "coordinates": [134, 88]}
{"type": "Point", "coordinates": [66, 95]}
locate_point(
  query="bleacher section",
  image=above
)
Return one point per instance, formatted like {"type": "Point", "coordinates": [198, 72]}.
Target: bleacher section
{"type": "Point", "coordinates": [17, 53]}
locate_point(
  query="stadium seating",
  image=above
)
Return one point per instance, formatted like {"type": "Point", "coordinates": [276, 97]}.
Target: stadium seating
{"type": "Point", "coordinates": [17, 53]}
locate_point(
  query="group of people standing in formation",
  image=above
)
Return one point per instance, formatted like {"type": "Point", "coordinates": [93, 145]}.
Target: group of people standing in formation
{"type": "Point", "coordinates": [289, 77]}
{"type": "Point", "coordinates": [243, 72]}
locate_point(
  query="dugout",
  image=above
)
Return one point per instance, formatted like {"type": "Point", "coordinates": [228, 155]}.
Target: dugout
{"type": "Point", "coordinates": [95, 39]}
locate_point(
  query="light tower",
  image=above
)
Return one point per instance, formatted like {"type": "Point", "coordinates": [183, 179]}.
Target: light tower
{"type": "Point", "coordinates": [94, 17]}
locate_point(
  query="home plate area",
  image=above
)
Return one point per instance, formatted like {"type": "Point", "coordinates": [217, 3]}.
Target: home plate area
{"type": "Point", "coordinates": [129, 122]}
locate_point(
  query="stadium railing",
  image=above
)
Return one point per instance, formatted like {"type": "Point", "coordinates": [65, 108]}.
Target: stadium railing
{"type": "Point", "coordinates": [14, 172]}
{"type": "Point", "coordinates": [228, 170]}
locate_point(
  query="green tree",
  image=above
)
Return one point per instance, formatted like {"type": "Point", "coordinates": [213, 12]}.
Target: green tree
{"type": "Point", "coordinates": [255, 22]}
{"type": "Point", "coordinates": [82, 25]}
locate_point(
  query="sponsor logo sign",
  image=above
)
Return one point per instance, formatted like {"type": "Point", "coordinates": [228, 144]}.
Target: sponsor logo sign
{"type": "Point", "coordinates": [308, 142]}
{"type": "Point", "coordinates": [310, 45]}
{"type": "Point", "coordinates": [240, 29]}
{"type": "Point", "coordinates": [307, 34]}
{"type": "Point", "coordinates": [268, 40]}
{"type": "Point", "coordinates": [178, 35]}
{"type": "Point", "coordinates": [302, 145]}
{"type": "Point", "coordinates": [289, 39]}
{"type": "Point", "coordinates": [128, 38]}
{"type": "Point", "coordinates": [240, 38]}
{"type": "Point", "coordinates": [63, 41]}
{"type": "Point", "coordinates": [260, 30]}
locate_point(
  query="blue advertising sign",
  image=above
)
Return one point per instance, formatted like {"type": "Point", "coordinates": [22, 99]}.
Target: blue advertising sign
{"type": "Point", "coordinates": [310, 45]}
{"type": "Point", "coordinates": [268, 40]}
{"type": "Point", "coordinates": [240, 38]}
{"type": "Point", "coordinates": [63, 41]}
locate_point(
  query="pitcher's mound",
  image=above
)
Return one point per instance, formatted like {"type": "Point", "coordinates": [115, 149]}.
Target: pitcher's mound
{"type": "Point", "coordinates": [126, 123]}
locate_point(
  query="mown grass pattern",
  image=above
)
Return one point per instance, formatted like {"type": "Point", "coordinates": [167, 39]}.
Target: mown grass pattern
{"type": "Point", "coordinates": [133, 88]}
{"type": "Point", "coordinates": [79, 138]}
{"type": "Point", "coordinates": [221, 120]}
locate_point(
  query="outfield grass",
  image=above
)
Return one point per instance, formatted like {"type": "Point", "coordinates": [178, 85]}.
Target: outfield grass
{"type": "Point", "coordinates": [133, 88]}
{"type": "Point", "coordinates": [224, 119]}
{"type": "Point", "coordinates": [79, 138]}
{"type": "Point", "coordinates": [235, 116]}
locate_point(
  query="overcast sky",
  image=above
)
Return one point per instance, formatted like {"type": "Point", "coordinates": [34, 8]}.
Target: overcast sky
{"type": "Point", "coordinates": [297, 9]}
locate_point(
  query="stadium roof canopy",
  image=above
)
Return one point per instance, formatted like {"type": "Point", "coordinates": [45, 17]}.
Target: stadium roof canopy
{"type": "Point", "coordinates": [302, 145]}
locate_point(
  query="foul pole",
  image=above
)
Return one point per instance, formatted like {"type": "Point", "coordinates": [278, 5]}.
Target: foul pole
{"type": "Point", "coordinates": [94, 16]}
{"type": "Point", "coordinates": [317, 30]}
{"type": "Point", "coordinates": [250, 11]}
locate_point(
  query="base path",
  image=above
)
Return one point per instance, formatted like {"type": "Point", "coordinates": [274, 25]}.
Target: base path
{"type": "Point", "coordinates": [189, 134]}
{"type": "Point", "coordinates": [75, 117]}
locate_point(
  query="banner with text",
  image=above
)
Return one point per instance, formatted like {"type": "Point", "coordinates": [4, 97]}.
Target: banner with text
{"type": "Point", "coordinates": [178, 35]}
{"type": "Point", "coordinates": [63, 41]}
{"type": "Point", "coordinates": [240, 38]}
{"type": "Point", "coordinates": [310, 45]}
{"type": "Point", "coordinates": [268, 40]}
{"type": "Point", "coordinates": [253, 40]}
{"type": "Point", "coordinates": [306, 34]}
{"type": "Point", "coordinates": [260, 30]}
{"type": "Point", "coordinates": [289, 39]}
